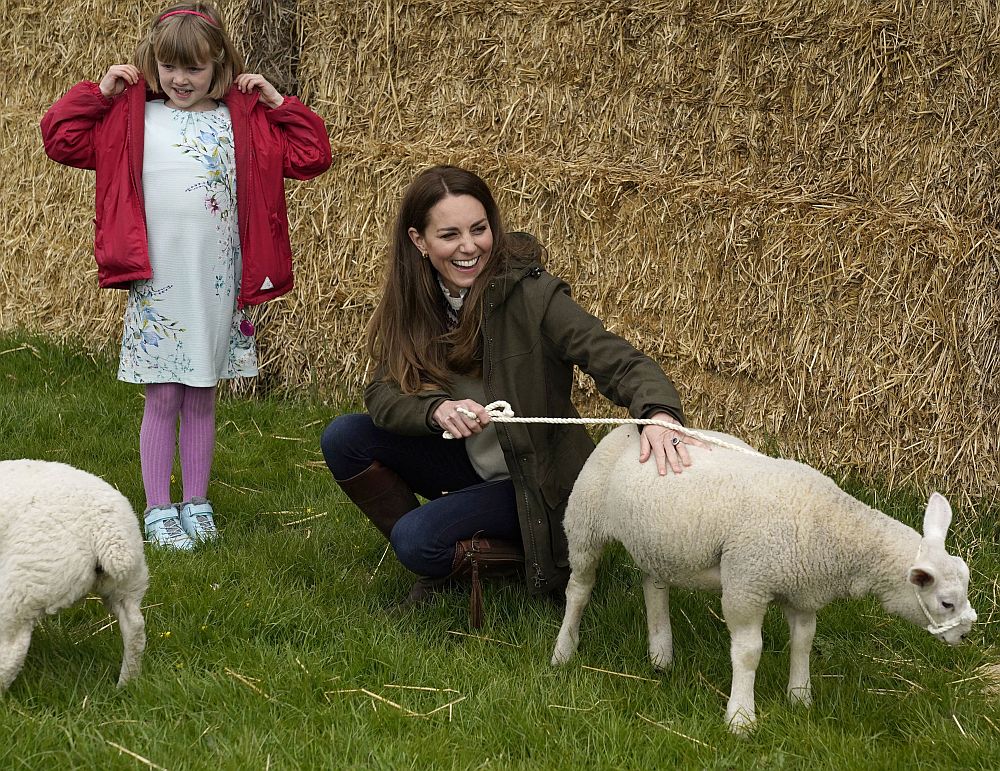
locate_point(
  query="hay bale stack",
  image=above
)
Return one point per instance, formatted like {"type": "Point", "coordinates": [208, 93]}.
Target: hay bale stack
{"type": "Point", "coordinates": [792, 206]}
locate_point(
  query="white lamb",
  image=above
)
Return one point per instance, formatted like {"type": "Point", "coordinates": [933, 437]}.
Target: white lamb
{"type": "Point", "coordinates": [64, 533]}
{"type": "Point", "coordinates": [759, 529]}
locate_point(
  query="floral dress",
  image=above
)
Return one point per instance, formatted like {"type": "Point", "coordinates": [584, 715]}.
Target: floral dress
{"type": "Point", "coordinates": [183, 326]}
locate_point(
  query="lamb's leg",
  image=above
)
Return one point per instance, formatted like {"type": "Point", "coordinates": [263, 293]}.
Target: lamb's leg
{"type": "Point", "coordinates": [14, 642]}
{"type": "Point", "coordinates": [802, 629]}
{"type": "Point", "coordinates": [657, 595]}
{"type": "Point", "coordinates": [133, 629]}
{"type": "Point", "coordinates": [744, 617]}
{"type": "Point", "coordinates": [581, 582]}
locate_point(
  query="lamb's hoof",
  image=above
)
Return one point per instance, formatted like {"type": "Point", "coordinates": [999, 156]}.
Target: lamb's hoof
{"type": "Point", "coordinates": [742, 724]}
{"type": "Point", "coordinates": [661, 661]}
{"type": "Point", "coordinates": [801, 696]}
{"type": "Point", "coordinates": [561, 655]}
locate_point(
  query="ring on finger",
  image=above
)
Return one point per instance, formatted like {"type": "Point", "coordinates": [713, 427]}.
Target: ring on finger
{"type": "Point", "coordinates": [675, 441]}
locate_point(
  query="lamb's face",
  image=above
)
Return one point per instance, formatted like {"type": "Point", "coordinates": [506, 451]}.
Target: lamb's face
{"type": "Point", "coordinates": [935, 595]}
{"type": "Point", "coordinates": [939, 584]}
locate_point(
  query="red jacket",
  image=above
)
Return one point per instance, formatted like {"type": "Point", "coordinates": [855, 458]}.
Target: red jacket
{"type": "Point", "coordinates": [89, 131]}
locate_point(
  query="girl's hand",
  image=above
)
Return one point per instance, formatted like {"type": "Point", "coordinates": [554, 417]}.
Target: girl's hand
{"type": "Point", "coordinates": [660, 442]}
{"type": "Point", "coordinates": [117, 78]}
{"type": "Point", "coordinates": [454, 422]}
{"type": "Point", "coordinates": [269, 95]}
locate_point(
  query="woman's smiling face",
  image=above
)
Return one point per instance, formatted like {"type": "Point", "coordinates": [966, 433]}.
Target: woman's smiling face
{"type": "Point", "coordinates": [458, 240]}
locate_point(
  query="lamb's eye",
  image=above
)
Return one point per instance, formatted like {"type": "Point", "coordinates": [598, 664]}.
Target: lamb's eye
{"type": "Point", "coordinates": [947, 605]}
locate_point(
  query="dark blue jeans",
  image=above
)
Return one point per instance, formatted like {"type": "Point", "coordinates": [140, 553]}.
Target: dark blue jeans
{"type": "Point", "coordinates": [460, 503]}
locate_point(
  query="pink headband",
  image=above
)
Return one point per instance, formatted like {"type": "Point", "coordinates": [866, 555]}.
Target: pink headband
{"type": "Point", "coordinates": [207, 18]}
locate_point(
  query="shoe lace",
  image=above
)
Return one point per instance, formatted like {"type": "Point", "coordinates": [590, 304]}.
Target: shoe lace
{"type": "Point", "coordinates": [205, 523]}
{"type": "Point", "coordinates": [172, 528]}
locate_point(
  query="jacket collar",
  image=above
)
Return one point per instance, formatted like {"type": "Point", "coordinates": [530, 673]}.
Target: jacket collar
{"type": "Point", "coordinates": [140, 93]}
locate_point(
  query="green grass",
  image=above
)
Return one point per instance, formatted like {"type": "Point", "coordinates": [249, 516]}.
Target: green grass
{"type": "Point", "coordinates": [260, 645]}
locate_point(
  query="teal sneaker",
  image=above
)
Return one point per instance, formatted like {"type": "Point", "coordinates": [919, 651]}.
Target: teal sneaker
{"type": "Point", "coordinates": [163, 528]}
{"type": "Point", "coordinates": [198, 520]}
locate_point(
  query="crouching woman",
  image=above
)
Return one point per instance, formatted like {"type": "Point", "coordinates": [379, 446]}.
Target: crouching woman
{"type": "Point", "coordinates": [467, 316]}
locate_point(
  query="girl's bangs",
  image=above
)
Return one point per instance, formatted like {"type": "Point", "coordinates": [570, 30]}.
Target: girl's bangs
{"type": "Point", "coordinates": [179, 46]}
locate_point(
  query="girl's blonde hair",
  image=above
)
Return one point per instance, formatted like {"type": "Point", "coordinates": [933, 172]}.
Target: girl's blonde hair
{"type": "Point", "coordinates": [194, 36]}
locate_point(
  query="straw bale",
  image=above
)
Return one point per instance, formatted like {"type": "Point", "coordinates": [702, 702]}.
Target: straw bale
{"type": "Point", "coordinates": [793, 206]}
{"type": "Point", "coordinates": [268, 30]}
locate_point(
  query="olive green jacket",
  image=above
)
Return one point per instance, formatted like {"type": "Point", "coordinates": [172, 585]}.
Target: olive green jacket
{"type": "Point", "coordinates": [534, 334]}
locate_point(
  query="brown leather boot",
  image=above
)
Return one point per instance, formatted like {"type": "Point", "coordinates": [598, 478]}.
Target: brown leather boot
{"type": "Point", "coordinates": [381, 494]}
{"type": "Point", "coordinates": [424, 588]}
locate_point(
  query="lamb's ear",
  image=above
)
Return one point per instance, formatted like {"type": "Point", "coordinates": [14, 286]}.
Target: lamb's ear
{"type": "Point", "coordinates": [921, 575]}
{"type": "Point", "coordinates": [937, 518]}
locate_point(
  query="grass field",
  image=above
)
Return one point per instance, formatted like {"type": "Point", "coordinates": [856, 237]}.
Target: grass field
{"type": "Point", "coordinates": [279, 647]}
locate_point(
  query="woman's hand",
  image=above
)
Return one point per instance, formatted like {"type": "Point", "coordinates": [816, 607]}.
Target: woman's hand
{"type": "Point", "coordinates": [269, 95]}
{"type": "Point", "coordinates": [455, 423]}
{"type": "Point", "coordinates": [117, 78]}
{"type": "Point", "coordinates": [669, 447]}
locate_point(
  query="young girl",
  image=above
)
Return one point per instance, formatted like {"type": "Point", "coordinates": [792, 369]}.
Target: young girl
{"type": "Point", "coordinates": [190, 154]}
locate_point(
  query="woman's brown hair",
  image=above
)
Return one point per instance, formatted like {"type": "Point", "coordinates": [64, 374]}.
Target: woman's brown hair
{"type": "Point", "coordinates": [408, 336]}
{"type": "Point", "coordinates": [187, 39]}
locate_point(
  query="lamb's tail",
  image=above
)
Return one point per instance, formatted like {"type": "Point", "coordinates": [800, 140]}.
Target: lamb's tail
{"type": "Point", "coordinates": [585, 520]}
{"type": "Point", "coordinates": [117, 541]}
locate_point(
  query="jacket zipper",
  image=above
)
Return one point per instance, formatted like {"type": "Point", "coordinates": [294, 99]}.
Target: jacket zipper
{"type": "Point", "coordinates": [132, 172]}
{"type": "Point", "coordinates": [241, 216]}
{"type": "Point", "coordinates": [538, 579]}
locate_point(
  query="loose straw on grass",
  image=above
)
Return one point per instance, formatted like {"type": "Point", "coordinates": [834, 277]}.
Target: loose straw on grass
{"type": "Point", "coordinates": [400, 707]}
{"type": "Point", "coordinates": [619, 674]}
{"type": "Point", "coordinates": [249, 682]}
{"type": "Point", "coordinates": [676, 733]}
{"type": "Point", "coordinates": [420, 688]}
{"type": "Point", "coordinates": [484, 637]}
{"type": "Point", "coordinates": [305, 519]}
{"type": "Point", "coordinates": [108, 622]}
{"type": "Point", "coordinates": [140, 758]}
{"type": "Point", "coordinates": [575, 709]}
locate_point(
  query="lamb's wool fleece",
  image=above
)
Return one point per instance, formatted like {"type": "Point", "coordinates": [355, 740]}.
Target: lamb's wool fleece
{"type": "Point", "coordinates": [64, 533]}
{"type": "Point", "coordinates": [759, 529]}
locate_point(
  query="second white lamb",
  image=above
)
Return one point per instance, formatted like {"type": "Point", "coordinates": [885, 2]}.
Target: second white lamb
{"type": "Point", "coordinates": [759, 530]}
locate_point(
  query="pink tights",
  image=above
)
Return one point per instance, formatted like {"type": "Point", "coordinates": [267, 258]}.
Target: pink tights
{"type": "Point", "coordinates": [165, 402]}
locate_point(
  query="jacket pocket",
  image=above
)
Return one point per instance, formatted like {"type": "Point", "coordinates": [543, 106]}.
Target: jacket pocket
{"type": "Point", "coordinates": [282, 263]}
{"type": "Point", "coordinates": [279, 235]}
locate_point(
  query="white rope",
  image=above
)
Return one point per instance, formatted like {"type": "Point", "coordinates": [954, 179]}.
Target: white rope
{"type": "Point", "coordinates": [967, 615]}
{"type": "Point", "coordinates": [501, 412]}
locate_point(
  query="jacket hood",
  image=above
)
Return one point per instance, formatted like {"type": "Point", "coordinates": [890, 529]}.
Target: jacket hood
{"type": "Point", "coordinates": [525, 249]}
{"type": "Point", "coordinates": [524, 260]}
